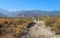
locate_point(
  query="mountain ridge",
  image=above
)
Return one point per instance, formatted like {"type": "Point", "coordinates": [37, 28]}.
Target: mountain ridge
{"type": "Point", "coordinates": [29, 13]}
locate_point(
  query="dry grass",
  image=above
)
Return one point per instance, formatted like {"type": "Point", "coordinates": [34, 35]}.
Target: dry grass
{"type": "Point", "coordinates": [10, 28]}
{"type": "Point", "coordinates": [54, 23]}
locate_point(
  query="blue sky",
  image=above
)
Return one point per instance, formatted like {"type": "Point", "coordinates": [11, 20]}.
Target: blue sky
{"type": "Point", "coordinates": [13, 5]}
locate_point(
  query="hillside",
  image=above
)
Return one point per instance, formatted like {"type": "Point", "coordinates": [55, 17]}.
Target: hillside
{"type": "Point", "coordinates": [28, 27]}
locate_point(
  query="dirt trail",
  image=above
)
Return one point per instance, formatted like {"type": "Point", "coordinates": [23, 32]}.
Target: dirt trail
{"type": "Point", "coordinates": [39, 30]}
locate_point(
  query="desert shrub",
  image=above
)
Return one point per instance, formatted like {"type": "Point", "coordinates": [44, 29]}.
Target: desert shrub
{"type": "Point", "coordinates": [54, 23]}
{"type": "Point", "coordinates": [49, 21]}
{"type": "Point", "coordinates": [56, 26]}
{"type": "Point", "coordinates": [21, 21]}
{"type": "Point", "coordinates": [2, 29]}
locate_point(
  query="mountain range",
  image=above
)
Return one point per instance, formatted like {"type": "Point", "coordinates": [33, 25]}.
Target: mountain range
{"type": "Point", "coordinates": [28, 13]}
